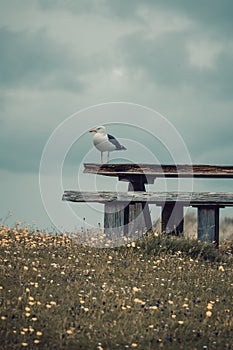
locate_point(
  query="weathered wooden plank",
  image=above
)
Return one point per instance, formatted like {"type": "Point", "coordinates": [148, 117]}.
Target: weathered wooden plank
{"type": "Point", "coordinates": [208, 224]}
{"type": "Point", "coordinates": [159, 198]}
{"type": "Point", "coordinates": [156, 170]}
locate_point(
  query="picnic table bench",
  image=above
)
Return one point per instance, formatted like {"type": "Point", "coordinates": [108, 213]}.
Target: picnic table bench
{"type": "Point", "coordinates": [129, 211]}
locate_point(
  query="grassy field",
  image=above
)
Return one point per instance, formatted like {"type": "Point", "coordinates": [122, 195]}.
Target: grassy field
{"type": "Point", "coordinates": [159, 292]}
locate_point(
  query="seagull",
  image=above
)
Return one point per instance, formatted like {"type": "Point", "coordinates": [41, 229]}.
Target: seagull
{"type": "Point", "coordinates": [105, 142]}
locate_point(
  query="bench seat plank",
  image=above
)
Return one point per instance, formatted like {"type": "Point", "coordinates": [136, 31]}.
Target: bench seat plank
{"type": "Point", "coordinates": [159, 198]}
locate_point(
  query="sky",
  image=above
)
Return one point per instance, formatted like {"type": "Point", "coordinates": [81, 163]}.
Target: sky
{"type": "Point", "coordinates": [62, 58]}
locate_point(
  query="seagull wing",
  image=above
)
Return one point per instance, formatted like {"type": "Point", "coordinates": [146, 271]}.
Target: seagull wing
{"type": "Point", "coordinates": [116, 143]}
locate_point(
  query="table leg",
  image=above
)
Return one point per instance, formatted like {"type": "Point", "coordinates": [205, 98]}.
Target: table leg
{"type": "Point", "coordinates": [208, 224]}
{"type": "Point", "coordinates": [172, 218]}
{"type": "Point", "coordinates": [137, 217]}
{"type": "Point", "coordinates": [114, 219]}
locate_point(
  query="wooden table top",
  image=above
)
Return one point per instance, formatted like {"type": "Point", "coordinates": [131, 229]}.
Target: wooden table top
{"type": "Point", "coordinates": [157, 170]}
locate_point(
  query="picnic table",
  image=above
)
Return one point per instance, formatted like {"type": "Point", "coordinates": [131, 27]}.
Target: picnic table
{"type": "Point", "coordinates": [130, 209]}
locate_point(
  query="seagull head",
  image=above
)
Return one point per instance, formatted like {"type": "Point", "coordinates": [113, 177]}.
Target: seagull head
{"type": "Point", "coordinates": [99, 130]}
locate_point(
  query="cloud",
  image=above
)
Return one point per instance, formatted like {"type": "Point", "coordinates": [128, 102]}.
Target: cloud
{"type": "Point", "coordinates": [31, 59]}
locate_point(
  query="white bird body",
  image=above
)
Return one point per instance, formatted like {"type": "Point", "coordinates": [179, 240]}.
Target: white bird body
{"type": "Point", "coordinates": [105, 142]}
{"type": "Point", "coordinates": [102, 143]}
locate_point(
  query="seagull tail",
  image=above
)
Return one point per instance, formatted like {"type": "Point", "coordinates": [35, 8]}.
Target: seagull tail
{"type": "Point", "coordinates": [123, 148]}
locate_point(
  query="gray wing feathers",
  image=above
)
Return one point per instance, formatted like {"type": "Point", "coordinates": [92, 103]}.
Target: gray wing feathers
{"type": "Point", "coordinates": [116, 143]}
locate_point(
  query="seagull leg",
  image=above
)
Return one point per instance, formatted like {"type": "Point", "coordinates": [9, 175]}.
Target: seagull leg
{"type": "Point", "coordinates": [108, 157]}
{"type": "Point", "coordinates": [101, 157]}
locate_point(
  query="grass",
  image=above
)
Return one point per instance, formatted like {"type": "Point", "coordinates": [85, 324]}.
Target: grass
{"type": "Point", "coordinates": [158, 292]}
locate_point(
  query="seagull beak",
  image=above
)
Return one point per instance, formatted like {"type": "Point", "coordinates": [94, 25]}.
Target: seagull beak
{"type": "Point", "coordinates": [92, 130]}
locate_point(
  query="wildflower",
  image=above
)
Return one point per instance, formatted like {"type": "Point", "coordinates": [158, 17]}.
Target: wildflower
{"type": "Point", "coordinates": [133, 244]}
{"type": "Point", "coordinates": [139, 301]}
{"type": "Point", "coordinates": [170, 302]}
{"type": "Point", "coordinates": [209, 306]}
{"type": "Point", "coordinates": [134, 345]}
{"type": "Point", "coordinates": [86, 309]}
{"type": "Point", "coordinates": [181, 322]}
{"type": "Point", "coordinates": [135, 289]}
{"type": "Point", "coordinates": [151, 326]}
{"type": "Point", "coordinates": [24, 344]}
{"type": "Point", "coordinates": [39, 333]}
{"type": "Point", "coordinates": [3, 318]}
{"type": "Point", "coordinates": [69, 331]}
{"type": "Point", "coordinates": [208, 313]}
{"type": "Point", "coordinates": [36, 341]}
{"type": "Point", "coordinates": [153, 307]}
{"type": "Point", "coordinates": [25, 268]}
{"type": "Point", "coordinates": [221, 268]}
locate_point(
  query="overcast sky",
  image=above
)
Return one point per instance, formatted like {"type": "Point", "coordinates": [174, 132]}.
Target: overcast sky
{"type": "Point", "coordinates": [60, 56]}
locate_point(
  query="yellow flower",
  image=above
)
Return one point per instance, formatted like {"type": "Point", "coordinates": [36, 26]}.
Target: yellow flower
{"type": "Point", "coordinates": [134, 345]}
{"type": "Point", "coordinates": [154, 307]}
{"type": "Point", "coordinates": [221, 268]}
{"type": "Point", "coordinates": [208, 313]}
{"type": "Point", "coordinates": [36, 341]}
{"type": "Point", "coordinates": [137, 300]}
{"type": "Point", "coordinates": [39, 333]}
{"type": "Point", "coordinates": [181, 322]}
